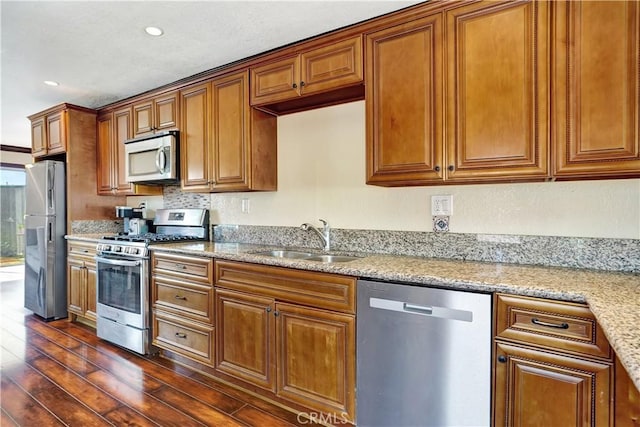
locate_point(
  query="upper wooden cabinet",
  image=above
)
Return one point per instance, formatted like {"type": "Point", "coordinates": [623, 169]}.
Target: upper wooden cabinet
{"type": "Point", "coordinates": [496, 104]}
{"type": "Point", "coordinates": [497, 91]}
{"type": "Point", "coordinates": [313, 72]}
{"type": "Point", "coordinates": [225, 144]}
{"type": "Point", "coordinates": [49, 130]}
{"type": "Point", "coordinates": [404, 103]}
{"type": "Point", "coordinates": [156, 114]}
{"type": "Point", "coordinates": [596, 99]}
{"type": "Point", "coordinates": [113, 129]}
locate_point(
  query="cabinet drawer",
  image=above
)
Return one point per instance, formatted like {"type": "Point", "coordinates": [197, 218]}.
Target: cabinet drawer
{"type": "Point", "coordinates": [82, 249]}
{"type": "Point", "coordinates": [559, 325]}
{"type": "Point", "coordinates": [189, 339]}
{"type": "Point", "coordinates": [320, 290]}
{"type": "Point", "coordinates": [193, 268]}
{"type": "Point", "coordinates": [187, 299]}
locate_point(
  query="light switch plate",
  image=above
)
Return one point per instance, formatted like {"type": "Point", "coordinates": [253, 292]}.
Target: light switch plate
{"type": "Point", "coordinates": [442, 205]}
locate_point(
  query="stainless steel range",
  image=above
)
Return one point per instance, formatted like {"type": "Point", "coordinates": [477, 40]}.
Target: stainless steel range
{"type": "Point", "coordinates": [122, 265]}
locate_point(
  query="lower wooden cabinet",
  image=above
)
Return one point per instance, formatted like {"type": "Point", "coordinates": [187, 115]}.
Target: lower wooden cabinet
{"type": "Point", "coordinates": [268, 338]}
{"type": "Point", "coordinates": [182, 305]}
{"type": "Point", "coordinates": [81, 280]}
{"type": "Point", "coordinates": [538, 388]}
{"type": "Point", "coordinates": [553, 366]}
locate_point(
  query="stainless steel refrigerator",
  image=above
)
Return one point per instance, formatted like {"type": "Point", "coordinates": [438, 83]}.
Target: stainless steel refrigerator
{"type": "Point", "coordinates": [45, 278]}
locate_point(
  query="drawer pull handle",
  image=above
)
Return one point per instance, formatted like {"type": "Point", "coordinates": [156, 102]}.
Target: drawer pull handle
{"type": "Point", "coordinates": [181, 297]}
{"type": "Point", "coordinates": [181, 266]}
{"type": "Point", "coordinates": [563, 325]}
{"type": "Point", "coordinates": [181, 335]}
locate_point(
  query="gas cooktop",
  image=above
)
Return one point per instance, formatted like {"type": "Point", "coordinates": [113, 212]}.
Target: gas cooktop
{"type": "Point", "coordinates": [151, 238]}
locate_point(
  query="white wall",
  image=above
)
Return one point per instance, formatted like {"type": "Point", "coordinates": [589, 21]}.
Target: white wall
{"type": "Point", "coordinates": [321, 174]}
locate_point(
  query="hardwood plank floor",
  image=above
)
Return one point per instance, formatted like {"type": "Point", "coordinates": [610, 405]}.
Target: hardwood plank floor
{"type": "Point", "coordinates": [59, 373]}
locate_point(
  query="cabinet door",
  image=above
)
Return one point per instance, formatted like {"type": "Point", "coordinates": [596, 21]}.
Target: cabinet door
{"type": "Point", "coordinates": [122, 132]}
{"type": "Point", "coordinates": [403, 100]}
{"type": "Point", "coordinates": [143, 118]}
{"type": "Point", "coordinates": [230, 131]}
{"type": "Point", "coordinates": [166, 112]}
{"type": "Point", "coordinates": [276, 81]}
{"type": "Point", "coordinates": [194, 138]}
{"type": "Point", "coordinates": [497, 91]}
{"type": "Point", "coordinates": [245, 337]}
{"type": "Point", "coordinates": [104, 164]}
{"type": "Point", "coordinates": [627, 404]}
{"type": "Point", "coordinates": [56, 136]}
{"type": "Point", "coordinates": [331, 67]}
{"type": "Point", "coordinates": [536, 388]}
{"type": "Point", "coordinates": [596, 76]}
{"type": "Point", "coordinates": [76, 279]}
{"type": "Point", "coordinates": [38, 137]}
{"type": "Point", "coordinates": [316, 358]}
{"type": "Point", "coordinates": [90, 291]}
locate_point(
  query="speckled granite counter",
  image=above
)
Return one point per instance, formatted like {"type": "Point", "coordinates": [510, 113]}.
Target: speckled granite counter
{"type": "Point", "coordinates": [614, 298]}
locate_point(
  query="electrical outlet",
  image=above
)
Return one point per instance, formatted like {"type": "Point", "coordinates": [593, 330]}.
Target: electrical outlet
{"type": "Point", "coordinates": [442, 205]}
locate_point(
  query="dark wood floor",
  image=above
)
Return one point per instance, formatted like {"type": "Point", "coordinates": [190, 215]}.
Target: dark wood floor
{"type": "Point", "coordinates": [60, 373]}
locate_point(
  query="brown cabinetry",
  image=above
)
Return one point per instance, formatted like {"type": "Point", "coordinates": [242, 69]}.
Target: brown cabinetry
{"type": "Point", "coordinates": [182, 305]}
{"type": "Point", "coordinates": [277, 325]}
{"type": "Point", "coordinates": [159, 113]}
{"type": "Point", "coordinates": [225, 144]}
{"type": "Point", "coordinates": [596, 103]}
{"type": "Point", "coordinates": [321, 70]}
{"type": "Point", "coordinates": [114, 128]}
{"type": "Point", "coordinates": [72, 134]}
{"type": "Point", "coordinates": [48, 132]}
{"type": "Point", "coordinates": [553, 365]}
{"type": "Point", "coordinates": [81, 280]}
{"type": "Point", "coordinates": [495, 108]}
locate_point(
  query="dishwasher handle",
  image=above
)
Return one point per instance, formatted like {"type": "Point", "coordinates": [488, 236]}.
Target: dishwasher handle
{"type": "Point", "coordinates": [421, 310]}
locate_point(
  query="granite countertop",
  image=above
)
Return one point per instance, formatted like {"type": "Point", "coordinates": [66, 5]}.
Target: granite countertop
{"type": "Point", "coordinates": [614, 298]}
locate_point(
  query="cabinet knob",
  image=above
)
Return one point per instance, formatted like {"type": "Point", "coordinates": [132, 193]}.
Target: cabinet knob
{"type": "Point", "coordinates": [268, 309]}
{"type": "Point", "coordinates": [295, 86]}
{"type": "Point", "coordinates": [181, 335]}
{"type": "Point", "coordinates": [451, 168]}
{"type": "Point", "coordinates": [276, 313]}
{"type": "Point", "coordinates": [502, 359]}
{"type": "Point", "coordinates": [302, 84]}
{"type": "Point", "coordinates": [437, 168]}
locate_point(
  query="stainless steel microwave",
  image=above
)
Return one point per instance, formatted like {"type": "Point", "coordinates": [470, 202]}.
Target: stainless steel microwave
{"type": "Point", "coordinates": [152, 159]}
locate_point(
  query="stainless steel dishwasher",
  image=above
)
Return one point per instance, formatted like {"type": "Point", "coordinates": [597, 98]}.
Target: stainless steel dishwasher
{"type": "Point", "coordinates": [423, 356]}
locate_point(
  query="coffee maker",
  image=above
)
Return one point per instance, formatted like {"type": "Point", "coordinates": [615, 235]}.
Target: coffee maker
{"type": "Point", "coordinates": [126, 213]}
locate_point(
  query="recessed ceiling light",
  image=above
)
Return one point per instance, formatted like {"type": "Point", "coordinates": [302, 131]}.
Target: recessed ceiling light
{"type": "Point", "coordinates": [51, 83]}
{"type": "Point", "coordinates": [154, 31]}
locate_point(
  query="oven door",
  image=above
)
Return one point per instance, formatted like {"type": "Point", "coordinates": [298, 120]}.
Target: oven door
{"type": "Point", "coordinates": [123, 290]}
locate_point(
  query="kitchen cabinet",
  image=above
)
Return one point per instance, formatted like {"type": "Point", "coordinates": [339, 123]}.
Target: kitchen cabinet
{"type": "Point", "coordinates": [182, 305]}
{"type": "Point", "coordinates": [49, 129]}
{"type": "Point", "coordinates": [225, 144]}
{"type": "Point", "coordinates": [156, 114]}
{"type": "Point", "coordinates": [114, 128]}
{"type": "Point", "coordinates": [77, 131]}
{"type": "Point", "coordinates": [277, 325]}
{"type": "Point", "coordinates": [627, 407]}
{"type": "Point", "coordinates": [495, 108]}
{"type": "Point", "coordinates": [553, 365]}
{"type": "Point", "coordinates": [321, 70]}
{"type": "Point", "coordinates": [81, 280]}
{"type": "Point", "coordinates": [596, 105]}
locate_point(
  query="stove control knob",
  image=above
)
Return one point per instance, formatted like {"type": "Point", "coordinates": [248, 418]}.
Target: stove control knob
{"type": "Point", "coordinates": [117, 248]}
{"type": "Point", "coordinates": [106, 248]}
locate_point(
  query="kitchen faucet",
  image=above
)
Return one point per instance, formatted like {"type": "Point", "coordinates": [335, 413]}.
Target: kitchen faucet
{"type": "Point", "coordinates": [325, 234]}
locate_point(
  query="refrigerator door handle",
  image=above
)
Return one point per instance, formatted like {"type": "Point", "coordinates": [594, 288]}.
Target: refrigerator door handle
{"type": "Point", "coordinates": [51, 183]}
{"type": "Point", "coordinates": [40, 291]}
{"type": "Point", "coordinates": [50, 232]}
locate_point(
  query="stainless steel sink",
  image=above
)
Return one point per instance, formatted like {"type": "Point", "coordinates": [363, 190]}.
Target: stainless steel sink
{"type": "Point", "coordinates": [331, 258]}
{"type": "Point", "coordinates": [286, 254]}
{"type": "Point", "coordinates": [307, 256]}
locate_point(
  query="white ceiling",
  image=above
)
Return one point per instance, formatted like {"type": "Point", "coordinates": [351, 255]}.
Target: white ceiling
{"type": "Point", "coordinates": [99, 53]}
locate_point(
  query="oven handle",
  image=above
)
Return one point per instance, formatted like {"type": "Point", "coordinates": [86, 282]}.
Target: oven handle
{"type": "Point", "coordinates": [122, 263]}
